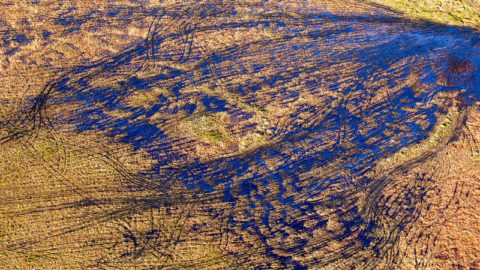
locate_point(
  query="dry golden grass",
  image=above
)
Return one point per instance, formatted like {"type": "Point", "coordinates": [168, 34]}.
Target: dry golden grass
{"type": "Point", "coordinates": [454, 12]}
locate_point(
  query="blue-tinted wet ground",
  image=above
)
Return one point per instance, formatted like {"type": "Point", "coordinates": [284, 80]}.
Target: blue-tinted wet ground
{"type": "Point", "coordinates": [377, 76]}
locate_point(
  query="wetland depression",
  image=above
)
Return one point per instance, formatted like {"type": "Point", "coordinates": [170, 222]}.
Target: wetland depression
{"type": "Point", "coordinates": [265, 128]}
